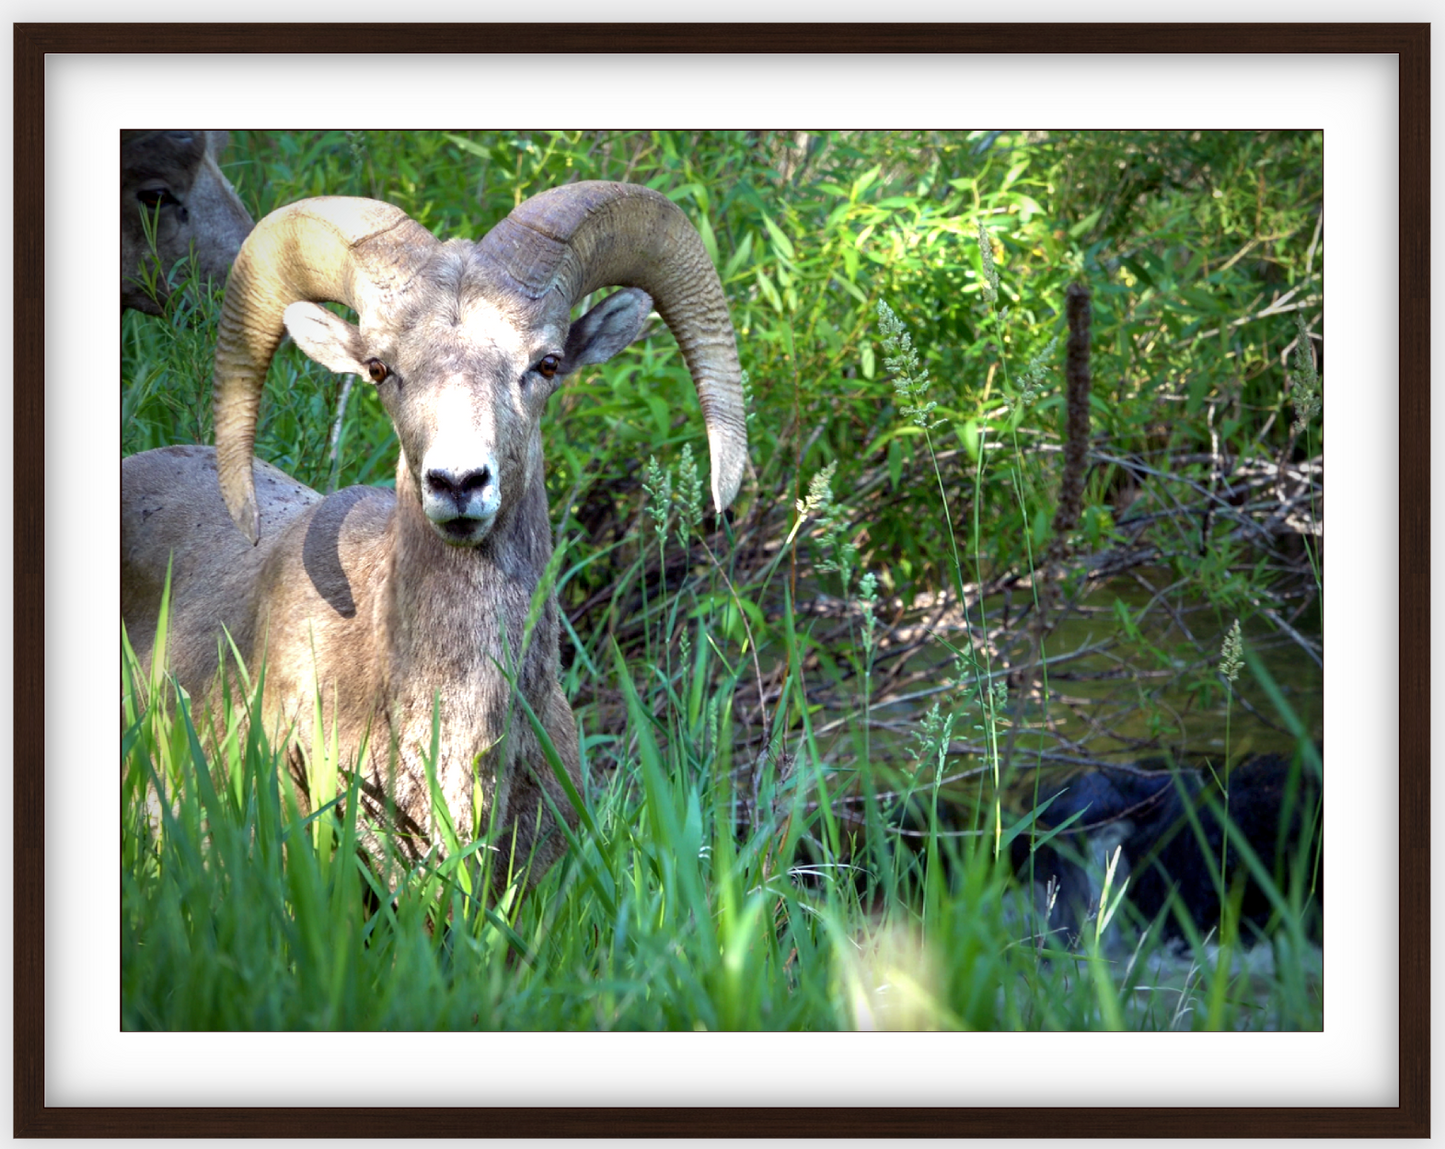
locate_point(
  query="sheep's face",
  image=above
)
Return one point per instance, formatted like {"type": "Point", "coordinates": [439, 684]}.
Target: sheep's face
{"type": "Point", "coordinates": [174, 200]}
{"type": "Point", "coordinates": [465, 373]}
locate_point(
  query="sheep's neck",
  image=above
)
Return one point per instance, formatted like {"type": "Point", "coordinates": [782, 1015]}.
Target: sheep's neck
{"type": "Point", "coordinates": [455, 614]}
{"type": "Point", "coordinates": [456, 618]}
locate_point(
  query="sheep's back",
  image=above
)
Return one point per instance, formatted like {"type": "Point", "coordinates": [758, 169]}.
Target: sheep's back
{"type": "Point", "coordinates": [172, 514]}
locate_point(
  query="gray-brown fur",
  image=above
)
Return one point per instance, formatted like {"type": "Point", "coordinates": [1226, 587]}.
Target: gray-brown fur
{"type": "Point", "coordinates": [174, 179]}
{"type": "Point", "coordinates": [391, 602]}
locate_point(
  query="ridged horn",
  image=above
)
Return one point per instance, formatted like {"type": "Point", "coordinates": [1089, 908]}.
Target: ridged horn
{"type": "Point", "coordinates": [331, 249]}
{"type": "Point", "coordinates": [579, 237]}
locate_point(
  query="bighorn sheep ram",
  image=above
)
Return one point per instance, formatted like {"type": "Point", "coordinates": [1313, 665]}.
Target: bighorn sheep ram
{"type": "Point", "coordinates": [172, 177]}
{"type": "Point", "coordinates": [381, 603]}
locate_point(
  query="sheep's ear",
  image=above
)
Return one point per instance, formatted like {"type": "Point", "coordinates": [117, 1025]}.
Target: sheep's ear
{"type": "Point", "coordinates": [326, 338]}
{"type": "Point", "coordinates": [607, 328]}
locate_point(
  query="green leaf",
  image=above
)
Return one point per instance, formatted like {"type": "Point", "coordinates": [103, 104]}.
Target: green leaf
{"type": "Point", "coordinates": [1040, 530]}
{"type": "Point", "coordinates": [770, 293]}
{"type": "Point", "coordinates": [781, 242]}
{"type": "Point", "coordinates": [682, 191]}
{"type": "Point", "coordinates": [1086, 223]}
{"type": "Point", "coordinates": [709, 240]}
{"type": "Point", "coordinates": [968, 432]}
{"type": "Point", "coordinates": [738, 257]}
{"type": "Point", "coordinates": [851, 289]}
{"type": "Point", "coordinates": [471, 147]}
{"type": "Point", "coordinates": [864, 182]}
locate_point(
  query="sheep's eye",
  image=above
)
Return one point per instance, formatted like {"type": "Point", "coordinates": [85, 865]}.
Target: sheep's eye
{"type": "Point", "coordinates": [548, 366]}
{"type": "Point", "coordinates": [376, 370]}
{"type": "Point", "coordinates": [156, 197]}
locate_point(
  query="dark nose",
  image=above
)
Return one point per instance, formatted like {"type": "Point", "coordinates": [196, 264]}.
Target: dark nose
{"type": "Point", "coordinates": [457, 487]}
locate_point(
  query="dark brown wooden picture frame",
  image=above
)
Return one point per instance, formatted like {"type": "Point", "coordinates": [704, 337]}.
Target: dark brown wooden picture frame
{"type": "Point", "coordinates": [1411, 43]}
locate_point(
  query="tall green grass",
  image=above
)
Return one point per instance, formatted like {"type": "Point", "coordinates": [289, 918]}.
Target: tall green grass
{"type": "Point", "coordinates": [662, 916]}
{"type": "Point", "coordinates": [686, 900]}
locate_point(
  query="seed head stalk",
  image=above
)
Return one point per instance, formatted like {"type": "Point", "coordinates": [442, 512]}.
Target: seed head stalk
{"type": "Point", "coordinates": [911, 383]}
{"type": "Point", "coordinates": [1231, 658]}
{"type": "Point", "coordinates": [1029, 386]}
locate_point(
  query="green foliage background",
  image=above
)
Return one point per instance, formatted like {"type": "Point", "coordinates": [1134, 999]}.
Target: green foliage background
{"type": "Point", "coordinates": [1185, 239]}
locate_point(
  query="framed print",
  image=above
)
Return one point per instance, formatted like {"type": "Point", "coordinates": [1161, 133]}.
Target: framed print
{"type": "Point", "coordinates": [1364, 88]}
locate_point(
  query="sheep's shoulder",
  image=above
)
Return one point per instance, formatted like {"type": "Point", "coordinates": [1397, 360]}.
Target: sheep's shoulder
{"type": "Point", "coordinates": [320, 590]}
{"type": "Point", "coordinates": [174, 525]}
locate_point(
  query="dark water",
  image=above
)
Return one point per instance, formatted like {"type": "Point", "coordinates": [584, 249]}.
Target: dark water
{"type": "Point", "coordinates": [1132, 676]}
{"type": "Point", "coordinates": [1161, 691]}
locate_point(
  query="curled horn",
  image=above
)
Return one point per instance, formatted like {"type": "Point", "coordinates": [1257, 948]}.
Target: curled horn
{"type": "Point", "coordinates": [331, 249]}
{"type": "Point", "coordinates": [579, 237]}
